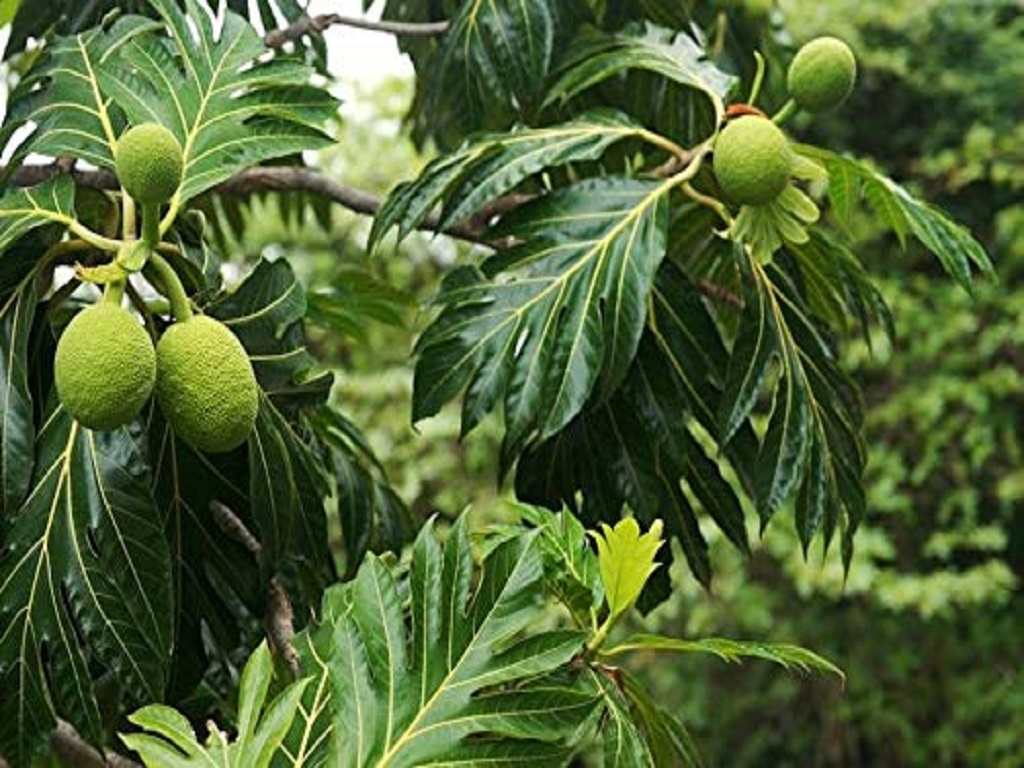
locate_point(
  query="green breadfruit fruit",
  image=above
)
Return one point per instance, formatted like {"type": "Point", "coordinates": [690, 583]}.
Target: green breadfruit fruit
{"type": "Point", "coordinates": [822, 74]}
{"type": "Point", "coordinates": [105, 367]}
{"type": "Point", "coordinates": [205, 384]}
{"type": "Point", "coordinates": [752, 160]}
{"type": "Point", "coordinates": [149, 163]}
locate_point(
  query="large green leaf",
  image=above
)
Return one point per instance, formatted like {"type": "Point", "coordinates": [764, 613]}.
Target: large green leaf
{"type": "Point", "coordinates": [453, 673]}
{"type": "Point", "coordinates": [63, 100]}
{"type": "Point", "coordinates": [228, 110]}
{"type": "Point", "coordinates": [498, 53]}
{"type": "Point", "coordinates": [85, 586]}
{"type": "Point", "coordinates": [17, 424]}
{"type": "Point", "coordinates": [168, 740]}
{"type": "Point", "coordinates": [784, 654]}
{"type": "Point", "coordinates": [538, 327]}
{"type": "Point", "coordinates": [216, 580]}
{"type": "Point", "coordinates": [623, 742]}
{"type": "Point", "coordinates": [637, 447]}
{"type": "Point", "coordinates": [952, 243]}
{"type": "Point", "coordinates": [373, 518]}
{"type": "Point", "coordinates": [675, 56]}
{"type": "Point", "coordinates": [813, 443]}
{"type": "Point", "coordinates": [22, 210]}
{"type": "Point", "coordinates": [493, 164]}
{"type": "Point", "coordinates": [207, 82]}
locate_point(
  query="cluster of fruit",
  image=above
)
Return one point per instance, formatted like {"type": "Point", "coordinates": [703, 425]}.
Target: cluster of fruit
{"type": "Point", "coordinates": [753, 162]}
{"type": "Point", "coordinates": [106, 367]}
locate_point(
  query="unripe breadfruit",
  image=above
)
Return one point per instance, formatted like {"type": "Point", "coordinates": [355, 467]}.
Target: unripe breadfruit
{"type": "Point", "coordinates": [752, 160]}
{"type": "Point", "coordinates": [105, 367]}
{"type": "Point", "coordinates": [205, 384]}
{"type": "Point", "coordinates": [821, 74]}
{"type": "Point", "coordinates": [149, 163]}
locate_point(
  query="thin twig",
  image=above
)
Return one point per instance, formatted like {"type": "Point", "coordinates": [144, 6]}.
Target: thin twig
{"type": "Point", "coordinates": [307, 24]}
{"type": "Point", "coordinates": [73, 750]}
{"type": "Point", "coordinates": [232, 525]}
{"type": "Point", "coordinates": [719, 293]}
{"type": "Point", "coordinates": [280, 625]}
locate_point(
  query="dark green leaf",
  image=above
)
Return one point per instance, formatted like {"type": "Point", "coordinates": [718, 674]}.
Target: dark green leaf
{"type": "Point", "coordinates": [954, 246]}
{"type": "Point", "coordinates": [500, 51]}
{"type": "Point", "coordinates": [788, 656]}
{"type": "Point", "coordinates": [563, 319]}
{"type": "Point", "coordinates": [228, 110]}
{"type": "Point", "coordinates": [493, 164]}
{"type": "Point", "coordinates": [17, 427]}
{"type": "Point", "coordinates": [85, 586]}
{"type": "Point", "coordinates": [22, 210]}
{"type": "Point", "coordinates": [675, 56]}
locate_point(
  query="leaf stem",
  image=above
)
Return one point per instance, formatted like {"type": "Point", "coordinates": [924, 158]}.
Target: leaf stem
{"type": "Point", "coordinates": [755, 88]}
{"type": "Point", "coordinates": [664, 143]}
{"type": "Point", "coordinates": [94, 239]}
{"type": "Point", "coordinates": [601, 635]}
{"type": "Point", "coordinates": [788, 110]}
{"type": "Point", "coordinates": [711, 202]}
{"type": "Point", "coordinates": [172, 287]}
{"type": "Point", "coordinates": [170, 216]}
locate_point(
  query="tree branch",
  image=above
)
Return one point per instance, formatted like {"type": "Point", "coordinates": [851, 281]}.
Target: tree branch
{"type": "Point", "coordinates": [73, 750]}
{"type": "Point", "coordinates": [262, 178]}
{"type": "Point", "coordinates": [307, 24]}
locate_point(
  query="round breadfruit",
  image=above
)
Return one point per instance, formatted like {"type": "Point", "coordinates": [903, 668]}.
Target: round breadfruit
{"type": "Point", "coordinates": [105, 367]}
{"type": "Point", "coordinates": [149, 163]}
{"type": "Point", "coordinates": [205, 384]}
{"type": "Point", "coordinates": [752, 160]}
{"type": "Point", "coordinates": [822, 74]}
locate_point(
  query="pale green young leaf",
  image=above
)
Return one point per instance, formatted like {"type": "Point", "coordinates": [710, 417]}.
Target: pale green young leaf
{"type": "Point", "coordinates": [422, 668]}
{"type": "Point", "coordinates": [626, 558]}
{"type": "Point", "coordinates": [260, 732]}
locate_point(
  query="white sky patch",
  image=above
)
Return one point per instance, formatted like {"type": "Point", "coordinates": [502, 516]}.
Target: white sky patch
{"type": "Point", "coordinates": [359, 55]}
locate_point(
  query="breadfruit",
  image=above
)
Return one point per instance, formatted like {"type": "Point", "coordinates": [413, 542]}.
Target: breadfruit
{"type": "Point", "coordinates": [105, 367]}
{"type": "Point", "coordinates": [205, 384]}
{"type": "Point", "coordinates": [752, 160]}
{"type": "Point", "coordinates": [149, 163]}
{"type": "Point", "coordinates": [822, 74]}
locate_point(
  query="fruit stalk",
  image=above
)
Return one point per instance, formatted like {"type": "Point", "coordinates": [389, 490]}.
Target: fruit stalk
{"type": "Point", "coordinates": [172, 287]}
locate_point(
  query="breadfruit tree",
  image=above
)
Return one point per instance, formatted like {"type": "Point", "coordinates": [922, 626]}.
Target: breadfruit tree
{"type": "Point", "coordinates": [653, 314]}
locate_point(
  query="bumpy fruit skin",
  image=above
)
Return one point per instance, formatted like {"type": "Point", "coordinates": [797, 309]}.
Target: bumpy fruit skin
{"type": "Point", "coordinates": [205, 385]}
{"type": "Point", "coordinates": [149, 163]}
{"type": "Point", "coordinates": [752, 160]}
{"type": "Point", "coordinates": [822, 74]}
{"type": "Point", "coordinates": [105, 367]}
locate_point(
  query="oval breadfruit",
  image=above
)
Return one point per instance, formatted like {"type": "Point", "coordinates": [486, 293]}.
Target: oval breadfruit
{"type": "Point", "coordinates": [105, 367]}
{"type": "Point", "coordinates": [752, 160]}
{"type": "Point", "coordinates": [205, 384]}
{"type": "Point", "coordinates": [149, 163]}
{"type": "Point", "coordinates": [822, 74]}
